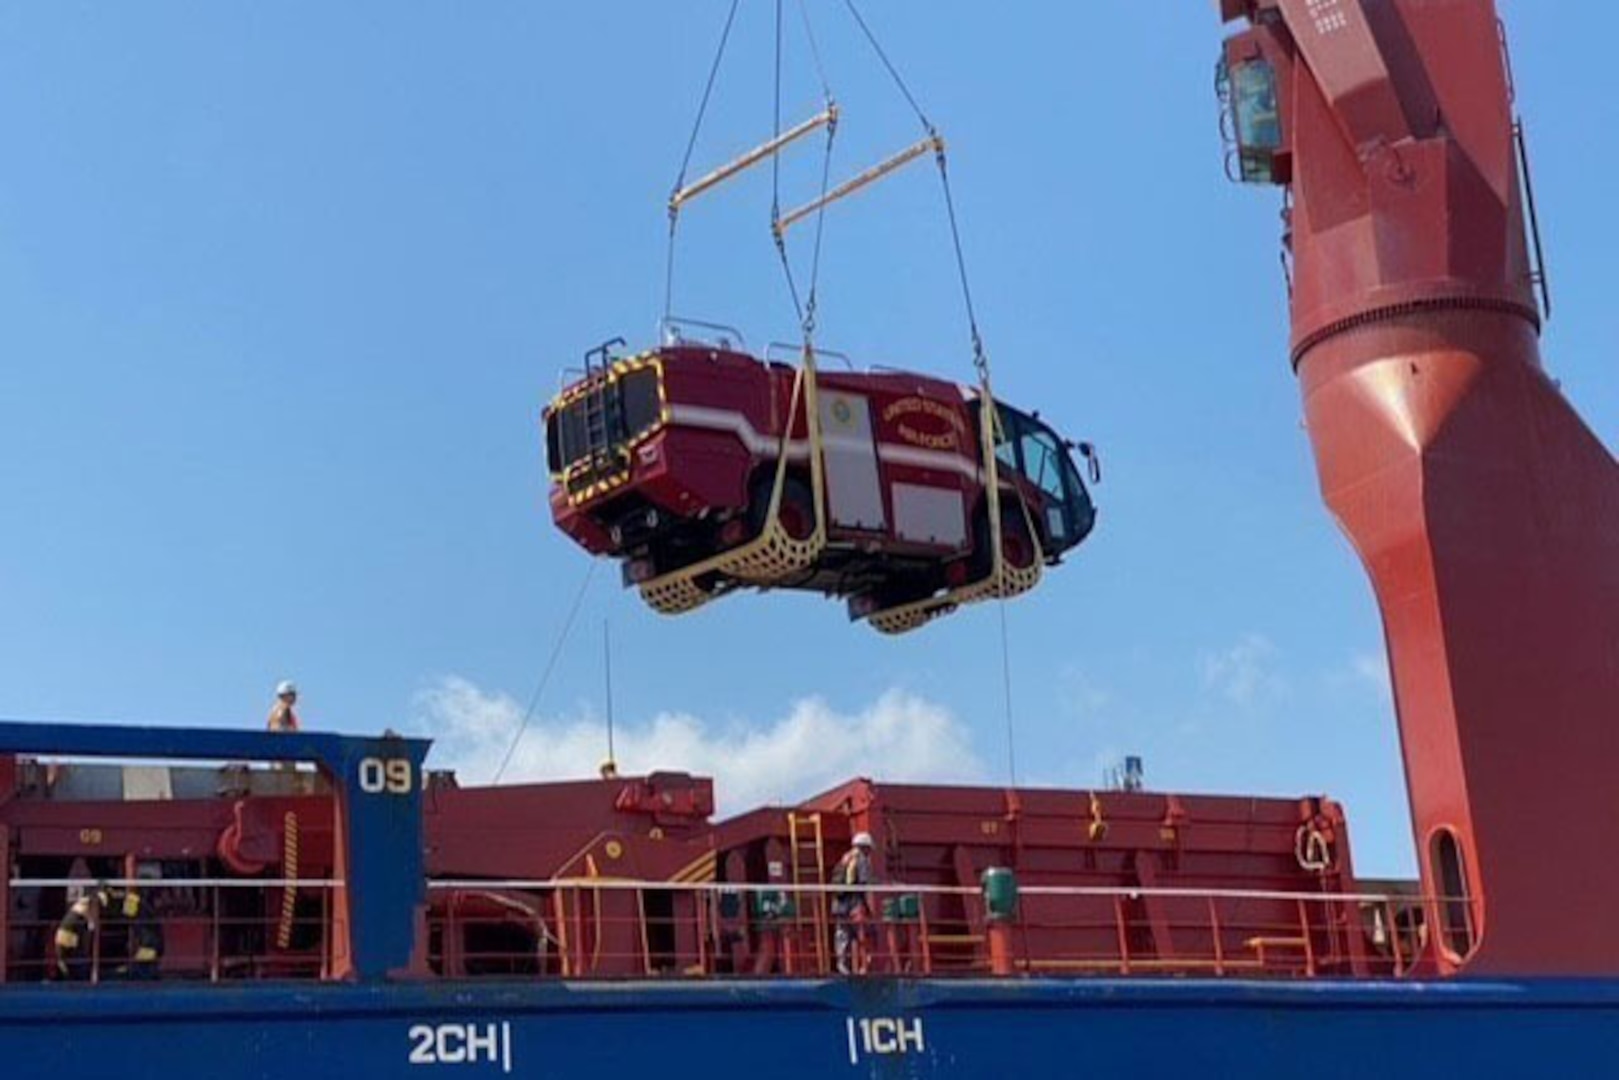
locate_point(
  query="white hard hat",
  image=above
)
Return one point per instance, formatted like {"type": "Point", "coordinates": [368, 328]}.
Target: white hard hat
{"type": "Point", "coordinates": [862, 839]}
{"type": "Point", "coordinates": [285, 687]}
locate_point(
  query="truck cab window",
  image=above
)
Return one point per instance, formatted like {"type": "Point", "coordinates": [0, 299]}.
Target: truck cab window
{"type": "Point", "coordinates": [642, 406]}
{"type": "Point", "coordinates": [1005, 447]}
{"type": "Point", "coordinates": [1031, 449]}
{"type": "Point", "coordinates": [1042, 462]}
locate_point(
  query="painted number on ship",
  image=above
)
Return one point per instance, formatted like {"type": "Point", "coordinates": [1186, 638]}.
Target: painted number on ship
{"type": "Point", "coordinates": [462, 1044]}
{"type": "Point", "coordinates": [390, 775]}
{"type": "Point", "coordinates": [884, 1036]}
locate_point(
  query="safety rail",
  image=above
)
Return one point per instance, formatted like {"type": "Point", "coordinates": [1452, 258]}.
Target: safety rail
{"type": "Point", "coordinates": [607, 928]}
{"type": "Point", "coordinates": [183, 929]}
{"type": "Point", "coordinates": [601, 928]}
{"type": "Point", "coordinates": [672, 331]}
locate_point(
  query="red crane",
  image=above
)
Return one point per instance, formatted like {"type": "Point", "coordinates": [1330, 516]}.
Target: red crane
{"type": "Point", "coordinates": [1483, 508]}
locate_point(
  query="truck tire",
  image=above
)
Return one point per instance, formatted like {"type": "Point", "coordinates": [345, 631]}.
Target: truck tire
{"type": "Point", "coordinates": [1017, 547]}
{"type": "Point", "coordinates": [797, 512]}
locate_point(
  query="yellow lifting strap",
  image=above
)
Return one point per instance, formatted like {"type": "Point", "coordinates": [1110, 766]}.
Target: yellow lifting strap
{"type": "Point", "coordinates": [1002, 582]}
{"type": "Point", "coordinates": [774, 555]}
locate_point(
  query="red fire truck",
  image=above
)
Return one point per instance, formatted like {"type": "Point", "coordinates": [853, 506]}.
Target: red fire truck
{"type": "Point", "coordinates": [671, 460]}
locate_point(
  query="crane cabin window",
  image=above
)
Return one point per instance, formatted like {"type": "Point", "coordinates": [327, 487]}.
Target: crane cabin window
{"type": "Point", "coordinates": [1258, 120]}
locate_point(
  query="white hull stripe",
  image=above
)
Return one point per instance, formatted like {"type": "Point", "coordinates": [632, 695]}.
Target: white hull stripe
{"type": "Point", "coordinates": [764, 446]}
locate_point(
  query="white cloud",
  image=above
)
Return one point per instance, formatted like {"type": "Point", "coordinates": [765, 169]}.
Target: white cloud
{"type": "Point", "coordinates": [900, 737]}
{"type": "Point", "coordinates": [1245, 673]}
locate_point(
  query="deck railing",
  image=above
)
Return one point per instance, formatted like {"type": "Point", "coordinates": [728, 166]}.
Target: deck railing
{"type": "Point", "coordinates": [598, 928]}
{"type": "Point", "coordinates": [592, 927]}
{"type": "Point", "coordinates": [207, 929]}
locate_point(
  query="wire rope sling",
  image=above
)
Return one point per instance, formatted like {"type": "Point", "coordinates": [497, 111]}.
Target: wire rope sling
{"type": "Point", "coordinates": [777, 554]}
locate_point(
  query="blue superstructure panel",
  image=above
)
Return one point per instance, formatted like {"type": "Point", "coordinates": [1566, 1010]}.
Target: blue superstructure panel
{"type": "Point", "coordinates": [378, 782]}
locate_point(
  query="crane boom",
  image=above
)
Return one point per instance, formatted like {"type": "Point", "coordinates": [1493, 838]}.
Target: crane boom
{"type": "Point", "coordinates": [1485, 511]}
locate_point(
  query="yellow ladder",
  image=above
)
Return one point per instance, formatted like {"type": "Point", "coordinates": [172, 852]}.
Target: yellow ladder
{"type": "Point", "coordinates": [807, 849]}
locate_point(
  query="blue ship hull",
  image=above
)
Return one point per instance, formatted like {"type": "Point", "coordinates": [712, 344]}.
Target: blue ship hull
{"type": "Point", "coordinates": [783, 1030]}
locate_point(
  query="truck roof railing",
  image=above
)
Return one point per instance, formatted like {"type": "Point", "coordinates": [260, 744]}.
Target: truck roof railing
{"type": "Point", "coordinates": [788, 352]}
{"type": "Point", "coordinates": [672, 330]}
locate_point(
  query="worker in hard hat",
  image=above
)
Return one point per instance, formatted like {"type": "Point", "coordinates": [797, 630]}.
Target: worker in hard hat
{"type": "Point", "coordinates": [145, 935]}
{"type": "Point", "coordinates": [76, 931]}
{"type": "Point", "coordinates": [282, 716]}
{"type": "Point", "coordinates": [851, 905]}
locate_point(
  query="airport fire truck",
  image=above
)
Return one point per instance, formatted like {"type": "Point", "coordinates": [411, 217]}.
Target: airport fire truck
{"type": "Point", "coordinates": [704, 468]}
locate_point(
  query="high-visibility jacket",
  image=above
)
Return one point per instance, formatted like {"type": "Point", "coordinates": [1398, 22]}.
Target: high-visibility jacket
{"type": "Point", "coordinates": [73, 932]}
{"type": "Point", "coordinates": [145, 935]}
{"type": "Point", "coordinates": [853, 869]}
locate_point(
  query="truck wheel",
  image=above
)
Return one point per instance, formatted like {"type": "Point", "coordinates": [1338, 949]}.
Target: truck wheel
{"type": "Point", "coordinates": [1017, 547]}
{"type": "Point", "coordinates": [797, 512]}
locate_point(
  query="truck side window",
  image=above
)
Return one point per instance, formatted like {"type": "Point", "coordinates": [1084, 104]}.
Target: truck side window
{"type": "Point", "coordinates": [1006, 434]}
{"type": "Point", "coordinates": [642, 405]}
{"type": "Point", "coordinates": [1042, 463]}
{"type": "Point", "coordinates": [553, 452]}
{"type": "Point", "coordinates": [1006, 452]}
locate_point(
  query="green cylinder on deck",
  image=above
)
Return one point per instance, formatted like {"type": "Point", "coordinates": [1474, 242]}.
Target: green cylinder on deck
{"type": "Point", "coordinates": [771, 905]}
{"type": "Point", "coordinates": [1000, 893]}
{"type": "Point", "coordinates": [904, 908]}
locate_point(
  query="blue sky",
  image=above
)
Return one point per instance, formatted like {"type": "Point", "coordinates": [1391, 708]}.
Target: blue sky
{"type": "Point", "coordinates": [282, 290]}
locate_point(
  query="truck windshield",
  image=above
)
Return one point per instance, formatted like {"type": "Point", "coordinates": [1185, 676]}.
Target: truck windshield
{"type": "Point", "coordinates": [1030, 447]}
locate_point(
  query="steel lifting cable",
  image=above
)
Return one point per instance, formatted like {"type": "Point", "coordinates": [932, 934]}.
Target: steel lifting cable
{"type": "Point", "coordinates": [775, 181]}
{"type": "Point", "coordinates": [814, 49]}
{"type": "Point", "coordinates": [980, 360]}
{"type": "Point", "coordinates": [549, 669]}
{"type": "Point", "coordinates": [990, 420]}
{"type": "Point", "coordinates": [893, 72]}
{"type": "Point", "coordinates": [826, 159]}
{"type": "Point", "coordinates": [773, 555]}
{"type": "Point", "coordinates": [685, 162]}
{"type": "Point", "coordinates": [805, 307]}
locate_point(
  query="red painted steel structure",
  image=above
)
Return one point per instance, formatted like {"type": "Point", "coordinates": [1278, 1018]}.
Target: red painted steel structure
{"type": "Point", "coordinates": [629, 876]}
{"type": "Point", "coordinates": [1148, 845]}
{"type": "Point", "coordinates": [1484, 510]}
